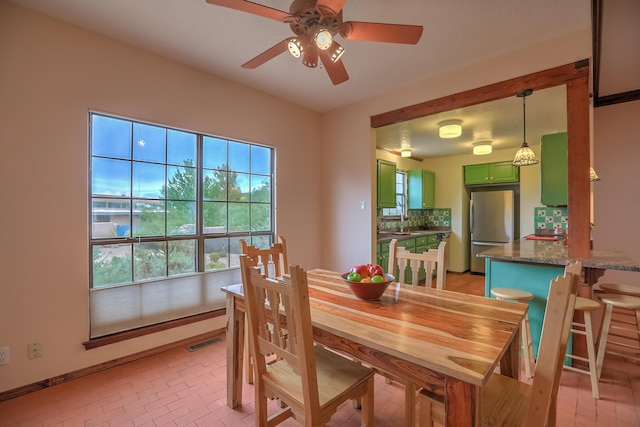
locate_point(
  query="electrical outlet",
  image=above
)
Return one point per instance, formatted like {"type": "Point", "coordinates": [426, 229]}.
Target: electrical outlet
{"type": "Point", "coordinates": [4, 355]}
{"type": "Point", "coordinates": [34, 350]}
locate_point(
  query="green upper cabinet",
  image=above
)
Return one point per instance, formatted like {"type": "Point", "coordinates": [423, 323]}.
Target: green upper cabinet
{"type": "Point", "coordinates": [386, 184]}
{"type": "Point", "coordinates": [491, 173]}
{"type": "Point", "coordinates": [554, 181]}
{"type": "Point", "coordinates": [421, 189]}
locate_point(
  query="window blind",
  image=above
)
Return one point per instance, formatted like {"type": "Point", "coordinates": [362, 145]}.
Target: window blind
{"type": "Point", "coordinates": [120, 308]}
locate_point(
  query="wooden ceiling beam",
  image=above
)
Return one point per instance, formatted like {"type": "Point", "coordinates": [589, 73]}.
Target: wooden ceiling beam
{"type": "Point", "coordinates": [536, 81]}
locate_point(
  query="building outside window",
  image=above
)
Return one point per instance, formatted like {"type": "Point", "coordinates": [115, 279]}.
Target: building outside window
{"type": "Point", "coordinates": [166, 203]}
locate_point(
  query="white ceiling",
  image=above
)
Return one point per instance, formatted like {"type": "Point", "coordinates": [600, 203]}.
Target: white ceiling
{"type": "Point", "coordinates": [619, 70]}
{"type": "Point", "coordinates": [457, 34]}
{"type": "Point", "coordinates": [500, 122]}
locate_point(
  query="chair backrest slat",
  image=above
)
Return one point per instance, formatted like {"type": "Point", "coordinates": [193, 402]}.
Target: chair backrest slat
{"type": "Point", "coordinates": [274, 305]}
{"type": "Point", "coordinates": [433, 259]}
{"type": "Point", "coordinates": [272, 261]}
{"type": "Point", "coordinates": [553, 343]}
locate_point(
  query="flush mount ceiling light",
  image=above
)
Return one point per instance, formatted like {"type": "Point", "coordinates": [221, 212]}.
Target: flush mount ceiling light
{"type": "Point", "coordinates": [450, 129]}
{"type": "Point", "coordinates": [405, 153]}
{"type": "Point", "coordinates": [525, 155]}
{"type": "Point", "coordinates": [481, 148]}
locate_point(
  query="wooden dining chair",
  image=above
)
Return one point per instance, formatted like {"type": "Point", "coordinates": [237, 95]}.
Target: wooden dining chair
{"type": "Point", "coordinates": [310, 381]}
{"type": "Point", "coordinates": [273, 263]}
{"type": "Point", "coordinates": [506, 401]}
{"type": "Point", "coordinates": [399, 261]}
{"type": "Point", "coordinates": [430, 261]}
{"type": "Point", "coordinates": [272, 260]}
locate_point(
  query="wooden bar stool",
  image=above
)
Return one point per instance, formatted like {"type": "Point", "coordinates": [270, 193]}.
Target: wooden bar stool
{"type": "Point", "coordinates": [618, 288]}
{"type": "Point", "coordinates": [527, 343]}
{"type": "Point", "coordinates": [586, 306]}
{"type": "Point", "coordinates": [625, 302]}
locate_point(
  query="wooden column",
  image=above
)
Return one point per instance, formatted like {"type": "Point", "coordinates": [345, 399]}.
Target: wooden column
{"type": "Point", "coordinates": [578, 168]}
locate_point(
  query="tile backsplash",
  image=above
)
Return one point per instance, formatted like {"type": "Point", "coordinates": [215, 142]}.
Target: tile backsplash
{"type": "Point", "coordinates": [550, 218]}
{"type": "Point", "coordinates": [418, 218]}
{"type": "Point", "coordinates": [440, 217]}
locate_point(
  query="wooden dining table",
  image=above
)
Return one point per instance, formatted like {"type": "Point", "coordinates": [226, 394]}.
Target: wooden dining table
{"type": "Point", "coordinates": [446, 342]}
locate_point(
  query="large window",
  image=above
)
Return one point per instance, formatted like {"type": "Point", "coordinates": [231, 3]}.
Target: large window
{"type": "Point", "coordinates": [167, 203]}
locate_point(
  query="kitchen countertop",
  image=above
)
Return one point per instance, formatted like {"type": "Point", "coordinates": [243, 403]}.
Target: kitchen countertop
{"type": "Point", "coordinates": [555, 253]}
{"type": "Point", "coordinates": [388, 236]}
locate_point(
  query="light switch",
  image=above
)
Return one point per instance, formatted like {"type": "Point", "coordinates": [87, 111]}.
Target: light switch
{"type": "Point", "coordinates": [363, 205]}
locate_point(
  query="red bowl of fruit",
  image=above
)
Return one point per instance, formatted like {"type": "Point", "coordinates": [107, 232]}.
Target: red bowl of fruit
{"type": "Point", "coordinates": [365, 285]}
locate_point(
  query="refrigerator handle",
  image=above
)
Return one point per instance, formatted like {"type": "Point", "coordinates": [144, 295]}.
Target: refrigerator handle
{"type": "Point", "coordinates": [471, 215]}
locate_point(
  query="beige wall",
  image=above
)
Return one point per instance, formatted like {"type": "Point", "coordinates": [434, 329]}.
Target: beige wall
{"type": "Point", "coordinates": [616, 200]}
{"type": "Point", "coordinates": [51, 75]}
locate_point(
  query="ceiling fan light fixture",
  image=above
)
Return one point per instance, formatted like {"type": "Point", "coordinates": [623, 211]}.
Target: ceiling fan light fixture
{"type": "Point", "coordinates": [295, 46]}
{"type": "Point", "coordinates": [450, 129]}
{"type": "Point", "coordinates": [525, 155]}
{"type": "Point", "coordinates": [481, 148]}
{"type": "Point", "coordinates": [322, 37]}
{"type": "Point", "coordinates": [405, 153]}
{"type": "Point", "coordinates": [310, 57]}
{"type": "Point", "coordinates": [335, 51]}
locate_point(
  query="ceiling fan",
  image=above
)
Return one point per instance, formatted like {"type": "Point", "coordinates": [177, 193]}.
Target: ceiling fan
{"type": "Point", "coordinates": [315, 24]}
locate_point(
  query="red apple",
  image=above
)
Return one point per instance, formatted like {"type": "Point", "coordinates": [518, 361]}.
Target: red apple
{"type": "Point", "coordinates": [375, 270]}
{"type": "Point", "coordinates": [362, 270]}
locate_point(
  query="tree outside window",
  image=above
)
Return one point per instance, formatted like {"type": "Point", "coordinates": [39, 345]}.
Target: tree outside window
{"type": "Point", "coordinates": [167, 202]}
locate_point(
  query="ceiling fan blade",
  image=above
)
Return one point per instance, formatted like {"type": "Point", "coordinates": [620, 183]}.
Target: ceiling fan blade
{"type": "Point", "coordinates": [336, 70]}
{"type": "Point", "coordinates": [250, 7]}
{"type": "Point", "coordinates": [333, 5]}
{"type": "Point", "coordinates": [378, 32]}
{"type": "Point", "coordinates": [268, 54]}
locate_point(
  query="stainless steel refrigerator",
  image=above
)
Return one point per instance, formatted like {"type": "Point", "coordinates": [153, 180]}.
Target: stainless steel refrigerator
{"type": "Point", "coordinates": [491, 222]}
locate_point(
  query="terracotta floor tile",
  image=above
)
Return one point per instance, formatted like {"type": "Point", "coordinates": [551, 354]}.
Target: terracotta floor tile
{"type": "Point", "coordinates": [182, 388]}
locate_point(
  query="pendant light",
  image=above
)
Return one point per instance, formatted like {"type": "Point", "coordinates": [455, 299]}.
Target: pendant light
{"type": "Point", "coordinates": [525, 155]}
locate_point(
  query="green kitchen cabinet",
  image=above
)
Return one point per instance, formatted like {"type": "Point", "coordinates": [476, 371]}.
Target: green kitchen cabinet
{"type": "Point", "coordinates": [421, 190]}
{"type": "Point", "coordinates": [554, 181]}
{"type": "Point", "coordinates": [382, 258]}
{"type": "Point", "coordinates": [433, 241]}
{"type": "Point", "coordinates": [410, 246]}
{"type": "Point", "coordinates": [386, 184]}
{"type": "Point", "coordinates": [491, 173]}
{"type": "Point", "coordinates": [422, 245]}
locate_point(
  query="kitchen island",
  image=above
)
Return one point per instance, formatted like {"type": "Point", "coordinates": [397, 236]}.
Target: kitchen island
{"type": "Point", "coordinates": [531, 264]}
